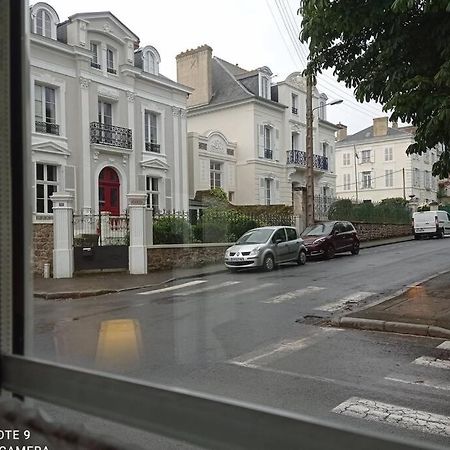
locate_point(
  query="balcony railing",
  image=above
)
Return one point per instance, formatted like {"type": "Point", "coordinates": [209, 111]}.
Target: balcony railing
{"type": "Point", "coordinates": [95, 65]}
{"type": "Point", "coordinates": [111, 135]}
{"type": "Point", "coordinates": [268, 153]}
{"type": "Point", "coordinates": [152, 147]}
{"type": "Point", "coordinates": [298, 158]}
{"type": "Point", "coordinates": [46, 127]}
{"type": "Point", "coordinates": [294, 110]}
{"type": "Point", "coordinates": [111, 70]}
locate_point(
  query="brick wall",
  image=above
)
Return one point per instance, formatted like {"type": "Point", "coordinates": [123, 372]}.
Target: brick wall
{"type": "Point", "coordinates": [373, 231]}
{"type": "Point", "coordinates": [161, 257]}
{"type": "Point", "coordinates": [42, 246]}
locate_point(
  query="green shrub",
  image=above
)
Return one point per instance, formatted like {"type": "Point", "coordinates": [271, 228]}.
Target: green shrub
{"type": "Point", "coordinates": [171, 230]}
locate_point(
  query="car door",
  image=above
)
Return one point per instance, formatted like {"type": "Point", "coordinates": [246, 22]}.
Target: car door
{"type": "Point", "coordinates": [293, 243]}
{"type": "Point", "coordinates": [281, 248]}
{"type": "Point", "coordinates": [339, 236]}
{"type": "Point", "coordinates": [348, 236]}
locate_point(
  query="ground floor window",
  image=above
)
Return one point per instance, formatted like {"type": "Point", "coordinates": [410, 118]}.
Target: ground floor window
{"type": "Point", "coordinates": [267, 191]}
{"type": "Point", "coordinates": [366, 180]}
{"type": "Point", "coordinates": [215, 174]}
{"type": "Point", "coordinates": [46, 185]}
{"type": "Point", "coordinates": [152, 188]}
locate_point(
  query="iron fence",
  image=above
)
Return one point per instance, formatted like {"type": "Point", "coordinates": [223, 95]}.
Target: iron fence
{"type": "Point", "coordinates": [299, 158]}
{"type": "Point", "coordinates": [102, 133]}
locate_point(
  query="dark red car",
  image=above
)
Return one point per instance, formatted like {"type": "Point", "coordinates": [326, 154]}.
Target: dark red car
{"type": "Point", "coordinates": [328, 238]}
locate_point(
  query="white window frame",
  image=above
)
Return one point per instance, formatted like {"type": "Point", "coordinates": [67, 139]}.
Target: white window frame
{"type": "Point", "coordinates": [265, 86]}
{"type": "Point", "coordinates": [346, 159]}
{"type": "Point", "coordinates": [347, 181]}
{"type": "Point", "coordinates": [153, 190]}
{"type": "Point", "coordinates": [43, 101]}
{"type": "Point", "coordinates": [388, 154]}
{"type": "Point", "coordinates": [389, 178]}
{"type": "Point", "coordinates": [45, 182]}
{"type": "Point", "coordinates": [268, 142]}
{"type": "Point", "coordinates": [96, 55]}
{"type": "Point", "coordinates": [268, 187]}
{"type": "Point", "coordinates": [101, 113]}
{"type": "Point", "coordinates": [366, 180]}
{"type": "Point", "coordinates": [48, 27]}
{"type": "Point", "coordinates": [111, 68]}
{"type": "Point", "coordinates": [152, 120]}
{"type": "Point", "coordinates": [294, 100]}
{"type": "Point", "coordinates": [215, 174]}
{"type": "Point", "coordinates": [295, 140]}
{"type": "Point", "coordinates": [366, 156]}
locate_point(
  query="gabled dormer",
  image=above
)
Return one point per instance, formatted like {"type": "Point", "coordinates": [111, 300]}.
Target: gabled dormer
{"type": "Point", "coordinates": [44, 20]}
{"type": "Point", "coordinates": [264, 78]}
{"type": "Point", "coordinates": [147, 59]}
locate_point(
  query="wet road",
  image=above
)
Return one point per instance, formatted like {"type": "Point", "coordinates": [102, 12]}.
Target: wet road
{"type": "Point", "coordinates": [261, 337]}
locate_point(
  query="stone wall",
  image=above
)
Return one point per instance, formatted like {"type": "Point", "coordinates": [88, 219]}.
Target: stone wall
{"type": "Point", "coordinates": [42, 246]}
{"type": "Point", "coordinates": [373, 231]}
{"type": "Point", "coordinates": [162, 257]}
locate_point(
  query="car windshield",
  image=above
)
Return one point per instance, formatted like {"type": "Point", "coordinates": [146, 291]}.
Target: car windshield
{"type": "Point", "coordinates": [320, 229]}
{"type": "Point", "coordinates": [255, 237]}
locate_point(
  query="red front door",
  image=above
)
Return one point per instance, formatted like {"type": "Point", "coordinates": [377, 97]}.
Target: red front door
{"type": "Point", "coordinates": [108, 191]}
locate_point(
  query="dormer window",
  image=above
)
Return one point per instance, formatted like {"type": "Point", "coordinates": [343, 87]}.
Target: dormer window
{"type": "Point", "coordinates": [264, 87]}
{"type": "Point", "coordinates": [151, 60]}
{"type": "Point", "coordinates": [44, 20]}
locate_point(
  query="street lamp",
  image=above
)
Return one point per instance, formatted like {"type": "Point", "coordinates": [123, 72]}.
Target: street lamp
{"type": "Point", "coordinates": [309, 150]}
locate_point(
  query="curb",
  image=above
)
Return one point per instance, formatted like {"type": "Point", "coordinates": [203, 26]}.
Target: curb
{"type": "Point", "coordinates": [381, 244]}
{"type": "Point", "coordinates": [392, 327]}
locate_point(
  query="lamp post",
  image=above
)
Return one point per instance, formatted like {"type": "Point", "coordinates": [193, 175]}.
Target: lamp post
{"type": "Point", "coordinates": [309, 150]}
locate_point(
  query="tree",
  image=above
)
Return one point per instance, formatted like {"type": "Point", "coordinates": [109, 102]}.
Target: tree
{"type": "Point", "coordinates": [396, 52]}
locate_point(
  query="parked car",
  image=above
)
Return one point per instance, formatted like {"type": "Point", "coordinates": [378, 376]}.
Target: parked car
{"type": "Point", "coordinates": [430, 223]}
{"type": "Point", "coordinates": [266, 247]}
{"type": "Point", "coordinates": [329, 238]}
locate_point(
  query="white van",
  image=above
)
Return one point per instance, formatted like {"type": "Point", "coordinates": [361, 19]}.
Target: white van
{"type": "Point", "coordinates": [430, 223]}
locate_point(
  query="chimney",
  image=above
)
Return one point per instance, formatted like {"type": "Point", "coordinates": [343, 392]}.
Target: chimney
{"type": "Point", "coordinates": [194, 69]}
{"type": "Point", "coordinates": [380, 126]}
{"type": "Point", "coordinates": [342, 132]}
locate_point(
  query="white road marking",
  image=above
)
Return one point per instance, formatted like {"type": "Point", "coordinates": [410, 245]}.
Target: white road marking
{"type": "Point", "coordinates": [294, 294]}
{"type": "Point", "coordinates": [419, 381]}
{"type": "Point", "coordinates": [206, 289]}
{"type": "Point", "coordinates": [279, 350]}
{"type": "Point", "coordinates": [172, 288]}
{"type": "Point", "coordinates": [429, 361]}
{"type": "Point", "coordinates": [395, 415]}
{"type": "Point", "coordinates": [445, 345]}
{"type": "Point", "coordinates": [250, 290]}
{"type": "Point", "coordinates": [343, 302]}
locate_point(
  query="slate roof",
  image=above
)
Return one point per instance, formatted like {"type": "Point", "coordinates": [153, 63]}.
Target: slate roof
{"type": "Point", "coordinates": [367, 133]}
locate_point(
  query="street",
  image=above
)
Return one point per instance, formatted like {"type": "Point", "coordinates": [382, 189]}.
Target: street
{"type": "Point", "coordinates": [264, 338]}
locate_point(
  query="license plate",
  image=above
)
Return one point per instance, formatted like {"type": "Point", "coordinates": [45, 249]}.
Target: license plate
{"type": "Point", "coordinates": [238, 259]}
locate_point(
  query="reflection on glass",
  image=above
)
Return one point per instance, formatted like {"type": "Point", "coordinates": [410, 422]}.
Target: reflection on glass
{"type": "Point", "coordinates": [119, 347]}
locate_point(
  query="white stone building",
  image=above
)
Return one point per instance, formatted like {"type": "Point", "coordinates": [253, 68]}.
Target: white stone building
{"type": "Point", "coordinates": [105, 122]}
{"type": "Point", "coordinates": [249, 134]}
{"type": "Point", "coordinates": [373, 165]}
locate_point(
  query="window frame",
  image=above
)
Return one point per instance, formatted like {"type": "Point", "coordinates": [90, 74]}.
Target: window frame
{"type": "Point", "coordinates": [215, 174]}
{"type": "Point", "coordinates": [366, 156]}
{"type": "Point", "coordinates": [153, 191]}
{"type": "Point", "coordinates": [45, 183]}
{"type": "Point", "coordinates": [366, 179]}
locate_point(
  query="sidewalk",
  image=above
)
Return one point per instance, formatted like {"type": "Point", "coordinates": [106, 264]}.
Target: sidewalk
{"type": "Point", "coordinates": [110, 282]}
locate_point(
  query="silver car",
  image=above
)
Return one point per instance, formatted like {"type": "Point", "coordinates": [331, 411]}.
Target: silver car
{"type": "Point", "coordinates": [266, 247]}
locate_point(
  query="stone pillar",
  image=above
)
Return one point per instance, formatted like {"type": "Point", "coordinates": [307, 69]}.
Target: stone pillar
{"type": "Point", "coordinates": [86, 183]}
{"type": "Point", "coordinates": [176, 194]}
{"type": "Point", "coordinates": [132, 164]}
{"type": "Point", "coordinates": [149, 226]}
{"type": "Point", "coordinates": [62, 235]}
{"type": "Point", "coordinates": [184, 163]}
{"type": "Point", "coordinates": [137, 252]}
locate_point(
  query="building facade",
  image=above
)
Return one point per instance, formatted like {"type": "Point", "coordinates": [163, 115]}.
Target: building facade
{"type": "Point", "coordinates": [262, 129]}
{"type": "Point", "coordinates": [373, 165]}
{"type": "Point", "coordinates": [105, 122]}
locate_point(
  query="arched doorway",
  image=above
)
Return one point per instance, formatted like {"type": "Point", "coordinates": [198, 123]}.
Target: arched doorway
{"type": "Point", "coordinates": [109, 191]}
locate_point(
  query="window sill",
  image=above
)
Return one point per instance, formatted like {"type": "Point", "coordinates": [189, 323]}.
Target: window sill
{"type": "Point", "coordinates": [58, 137]}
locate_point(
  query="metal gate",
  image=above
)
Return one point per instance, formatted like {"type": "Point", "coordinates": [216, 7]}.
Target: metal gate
{"type": "Point", "coordinates": [100, 241]}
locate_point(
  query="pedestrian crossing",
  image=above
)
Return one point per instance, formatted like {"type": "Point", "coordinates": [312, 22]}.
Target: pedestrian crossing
{"type": "Point", "coordinates": [433, 376]}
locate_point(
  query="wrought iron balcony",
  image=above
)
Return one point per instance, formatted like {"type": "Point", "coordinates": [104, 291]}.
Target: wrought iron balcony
{"type": "Point", "coordinates": [298, 158]}
{"type": "Point", "coordinates": [111, 70]}
{"type": "Point", "coordinates": [111, 135]}
{"type": "Point", "coordinates": [268, 153]}
{"type": "Point", "coordinates": [152, 147]}
{"type": "Point", "coordinates": [47, 127]}
{"type": "Point", "coordinates": [294, 110]}
{"type": "Point", "coordinates": [95, 65]}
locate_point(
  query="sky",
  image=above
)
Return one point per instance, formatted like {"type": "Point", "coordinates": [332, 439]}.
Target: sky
{"type": "Point", "coordinates": [251, 33]}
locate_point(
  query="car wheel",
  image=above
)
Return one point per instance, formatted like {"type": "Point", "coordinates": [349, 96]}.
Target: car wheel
{"type": "Point", "coordinates": [268, 263]}
{"type": "Point", "coordinates": [330, 252]}
{"type": "Point", "coordinates": [355, 249]}
{"type": "Point", "coordinates": [301, 260]}
{"type": "Point", "coordinates": [417, 237]}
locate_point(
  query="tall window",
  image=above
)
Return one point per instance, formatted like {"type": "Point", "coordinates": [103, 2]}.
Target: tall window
{"type": "Point", "coordinates": [389, 178]}
{"type": "Point", "coordinates": [46, 184]}
{"type": "Point", "coordinates": [45, 109]}
{"type": "Point", "coordinates": [365, 156]}
{"type": "Point", "coordinates": [346, 159]}
{"type": "Point", "coordinates": [295, 141]}
{"type": "Point", "coordinates": [265, 87]}
{"type": "Point", "coordinates": [110, 61]}
{"type": "Point", "coordinates": [43, 23]}
{"type": "Point", "coordinates": [294, 104]}
{"type": "Point", "coordinates": [150, 63]}
{"type": "Point", "coordinates": [152, 189]}
{"type": "Point", "coordinates": [151, 132]}
{"type": "Point", "coordinates": [215, 174]}
{"type": "Point", "coordinates": [346, 182]}
{"type": "Point", "coordinates": [416, 177]}
{"type": "Point", "coordinates": [267, 191]}
{"type": "Point", "coordinates": [324, 146]}
{"type": "Point", "coordinates": [388, 155]}
{"type": "Point", "coordinates": [322, 110]}
{"type": "Point", "coordinates": [268, 154]}
{"type": "Point", "coordinates": [104, 112]}
{"type": "Point", "coordinates": [366, 180]}
{"type": "Point", "coordinates": [95, 60]}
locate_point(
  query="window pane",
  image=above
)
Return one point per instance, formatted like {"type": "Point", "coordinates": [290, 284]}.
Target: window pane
{"type": "Point", "coordinates": [47, 31]}
{"type": "Point", "coordinates": [39, 191]}
{"type": "Point", "coordinates": [39, 22]}
{"type": "Point", "coordinates": [40, 205]}
{"type": "Point", "coordinates": [39, 171]}
{"type": "Point", "coordinates": [51, 173]}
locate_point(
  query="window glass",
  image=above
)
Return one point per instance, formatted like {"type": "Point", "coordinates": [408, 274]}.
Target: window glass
{"type": "Point", "coordinates": [291, 234]}
{"type": "Point", "coordinates": [279, 235]}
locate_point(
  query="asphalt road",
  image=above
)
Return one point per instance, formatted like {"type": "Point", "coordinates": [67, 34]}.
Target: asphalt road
{"type": "Point", "coordinates": [262, 337]}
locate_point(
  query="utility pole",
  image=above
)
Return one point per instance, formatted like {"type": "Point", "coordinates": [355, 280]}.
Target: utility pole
{"type": "Point", "coordinates": [404, 186]}
{"type": "Point", "coordinates": [309, 154]}
{"type": "Point", "coordinates": [355, 155]}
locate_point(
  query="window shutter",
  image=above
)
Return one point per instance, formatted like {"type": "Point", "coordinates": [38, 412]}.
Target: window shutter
{"type": "Point", "coordinates": [262, 185]}
{"type": "Point", "coordinates": [69, 173]}
{"type": "Point", "coordinates": [168, 192]}
{"type": "Point", "coordinates": [276, 147]}
{"type": "Point", "coordinates": [260, 140]}
{"type": "Point", "coordinates": [141, 183]}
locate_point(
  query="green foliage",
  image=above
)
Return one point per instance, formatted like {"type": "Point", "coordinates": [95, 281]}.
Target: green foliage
{"type": "Point", "coordinates": [396, 52]}
{"type": "Point", "coordinates": [219, 193]}
{"type": "Point", "coordinates": [171, 230]}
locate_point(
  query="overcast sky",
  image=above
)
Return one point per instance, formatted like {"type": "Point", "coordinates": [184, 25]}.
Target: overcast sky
{"type": "Point", "coordinates": [251, 33]}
